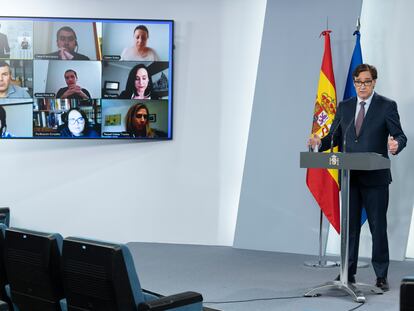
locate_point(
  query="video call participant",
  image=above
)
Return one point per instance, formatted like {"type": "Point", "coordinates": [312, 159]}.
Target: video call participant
{"type": "Point", "coordinates": [72, 91]}
{"type": "Point", "coordinates": [140, 51]}
{"type": "Point", "coordinates": [7, 89]}
{"type": "Point", "coordinates": [139, 84]}
{"type": "Point", "coordinates": [25, 44]}
{"type": "Point", "coordinates": [137, 123]}
{"type": "Point", "coordinates": [370, 123]}
{"type": "Point", "coordinates": [67, 44]}
{"type": "Point", "coordinates": [76, 124]}
{"type": "Point", "coordinates": [4, 45]}
{"type": "Point", "coordinates": [3, 124]}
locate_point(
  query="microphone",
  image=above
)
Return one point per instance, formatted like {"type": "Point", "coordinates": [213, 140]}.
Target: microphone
{"type": "Point", "coordinates": [334, 132]}
{"type": "Point", "coordinates": [345, 134]}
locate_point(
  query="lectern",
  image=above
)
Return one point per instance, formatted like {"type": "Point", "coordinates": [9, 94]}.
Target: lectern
{"type": "Point", "coordinates": [345, 162]}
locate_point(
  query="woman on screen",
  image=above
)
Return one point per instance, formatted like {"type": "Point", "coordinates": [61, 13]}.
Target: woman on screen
{"type": "Point", "coordinates": [137, 123]}
{"type": "Point", "coordinates": [139, 84]}
{"type": "Point", "coordinates": [140, 51]}
{"type": "Point", "coordinates": [73, 90]}
{"type": "Point", "coordinates": [3, 124]}
{"type": "Point", "coordinates": [77, 124]}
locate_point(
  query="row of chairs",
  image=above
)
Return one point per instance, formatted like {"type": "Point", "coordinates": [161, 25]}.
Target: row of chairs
{"type": "Point", "coordinates": [44, 272]}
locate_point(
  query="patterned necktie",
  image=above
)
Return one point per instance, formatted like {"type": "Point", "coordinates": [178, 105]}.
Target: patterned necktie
{"type": "Point", "coordinates": [360, 118]}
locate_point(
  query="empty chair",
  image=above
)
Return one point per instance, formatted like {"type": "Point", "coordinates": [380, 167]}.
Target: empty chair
{"type": "Point", "coordinates": [100, 276]}
{"type": "Point", "coordinates": [33, 268]}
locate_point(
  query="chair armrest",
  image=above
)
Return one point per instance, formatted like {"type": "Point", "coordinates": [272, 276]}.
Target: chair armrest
{"type": "Point", "coordinates": [146, 291]}
{"type": "Point", "coordinates": [4, 306]}
{"type": "Point", "coordinates": [170, 302]}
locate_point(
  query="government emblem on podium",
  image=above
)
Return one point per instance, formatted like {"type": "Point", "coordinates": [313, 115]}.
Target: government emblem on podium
{"type": "Point", "coordinates": [334, 160]}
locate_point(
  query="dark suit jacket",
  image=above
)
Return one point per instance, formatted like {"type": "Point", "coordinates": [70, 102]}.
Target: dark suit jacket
{"type": "Point", "coordinates": [76, 56]}
{"type": "Point", "coordinates": [382, 119]}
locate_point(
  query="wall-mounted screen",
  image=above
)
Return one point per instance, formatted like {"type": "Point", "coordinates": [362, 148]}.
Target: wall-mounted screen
{"type": "Point", "coordinates": [85, 78]}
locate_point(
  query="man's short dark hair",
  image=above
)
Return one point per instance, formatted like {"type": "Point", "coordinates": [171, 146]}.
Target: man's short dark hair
{"type": "Point", "coordinates": [4, 63]}
{"type": "Point", "coordinates": [71, 70]}
{"type": "Point", "coordinates": [365, 67]}
{"type": "Point", "coordinates": [68, 29]}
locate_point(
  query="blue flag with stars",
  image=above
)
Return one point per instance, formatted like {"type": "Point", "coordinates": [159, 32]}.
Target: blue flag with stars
{"type": "Point", "coordinates": [350, 89]}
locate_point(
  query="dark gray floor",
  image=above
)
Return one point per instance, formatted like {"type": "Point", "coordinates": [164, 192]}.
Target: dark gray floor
{"type": "Point", "coordinates": [227, 274]}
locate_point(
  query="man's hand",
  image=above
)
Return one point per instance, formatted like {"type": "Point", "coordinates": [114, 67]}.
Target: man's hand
{"type": "Point", "coordinates": [392, 145]}
{"type": "Point", "coordinates": [74, 89]}
{"type": "Point", "coordinates": [314, 141]}
{"type": "Point", "coordinates": [65, 54]}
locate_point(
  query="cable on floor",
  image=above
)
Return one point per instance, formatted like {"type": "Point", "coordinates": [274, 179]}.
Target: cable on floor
{"type": "Point", "coordinates": [269, 298]}
{"type": "Point", "coordinates": [253, 299]}
{"type": "Point", "coordinates": [357, 307]}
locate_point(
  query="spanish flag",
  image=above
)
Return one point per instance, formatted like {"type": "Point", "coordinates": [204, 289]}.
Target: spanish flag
{"type": "Point", "coordinates": [323, 183]}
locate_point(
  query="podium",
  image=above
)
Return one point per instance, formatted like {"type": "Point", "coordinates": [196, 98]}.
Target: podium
{"type": "Point", "coordinates": [363, 161]}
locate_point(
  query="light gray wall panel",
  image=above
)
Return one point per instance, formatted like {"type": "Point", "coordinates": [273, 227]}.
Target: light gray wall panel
{"type": "Point", "coordinates": [276, 210]}
{"type": "Point", "coordinates": [389, 47]}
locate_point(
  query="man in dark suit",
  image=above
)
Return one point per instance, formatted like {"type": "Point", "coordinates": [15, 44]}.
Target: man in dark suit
{"type": "Point", "coordinates": [4, 46]}
{"type": "Point", "coordinates": [367, 123]}
{"type": "Point", "coordinates": [67, 42]}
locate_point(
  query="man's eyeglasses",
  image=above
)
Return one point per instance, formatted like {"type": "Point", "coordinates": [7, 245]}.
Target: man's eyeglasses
{"type": "Point", "coordinates": [68, 39]}
{"type": "Point", "coordinates": [79, 120]}
{"type": "Point", "coordinates": [364, 83]}
{"type": "Point", "coordinates": [140, 116]}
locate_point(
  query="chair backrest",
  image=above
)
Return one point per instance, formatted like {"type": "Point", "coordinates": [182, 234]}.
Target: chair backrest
{"type": "Point", "coordinates": [99, 276]}
{"type": "Point", "coordinates": [33, 268]}
{"type": "Point", "coordinates": [3, 275]}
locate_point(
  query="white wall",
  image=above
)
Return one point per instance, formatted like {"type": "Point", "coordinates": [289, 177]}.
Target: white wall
{"type": "Point", "coordinates": [386, 45]}
{"type": "Point", "coordinates": [183, 191]}
{"type": "Point", "coordinates": [410, 243]}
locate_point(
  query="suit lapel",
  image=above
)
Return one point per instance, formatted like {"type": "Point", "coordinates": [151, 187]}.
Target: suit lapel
{"type": "Point", "coordinates": [351, 116]}
{"type": "Point", "coordinates": [373, 107]}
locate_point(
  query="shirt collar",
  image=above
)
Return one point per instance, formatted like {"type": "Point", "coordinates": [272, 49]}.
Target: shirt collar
{"type": "Point", "coordinates": [11, 90]}
{"type": "Point", "coordinates": [367, 101]}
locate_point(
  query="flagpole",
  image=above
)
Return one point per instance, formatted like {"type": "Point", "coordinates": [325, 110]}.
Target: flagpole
{"type": "Point", "coordinates": [322, 262]}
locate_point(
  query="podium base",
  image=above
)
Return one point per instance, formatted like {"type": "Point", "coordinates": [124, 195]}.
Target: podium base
{"type": "Point", "coordinates": [321, 264]}
{"type": "Point", "coordinates": [353, 289]}
{"type": "Point", "coordinates": [360, 264]}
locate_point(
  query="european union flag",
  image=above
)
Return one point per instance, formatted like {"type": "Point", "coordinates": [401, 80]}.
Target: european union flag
{"type": "Point", "coordinates": [355, 61]}
{"type": "Point", "coordinates": [350, 89]}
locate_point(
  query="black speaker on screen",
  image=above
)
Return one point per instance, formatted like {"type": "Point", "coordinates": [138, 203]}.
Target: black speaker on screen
{"type": "Point", "coordinates": [407, 294]}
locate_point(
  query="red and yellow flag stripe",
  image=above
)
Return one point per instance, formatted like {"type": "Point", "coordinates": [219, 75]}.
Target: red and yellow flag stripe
{"type": "Point", "coordinates": [323, 183]}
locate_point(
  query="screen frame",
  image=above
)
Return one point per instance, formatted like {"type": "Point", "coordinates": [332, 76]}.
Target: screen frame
{"type": "Point", "coordinates": [170, 22]}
